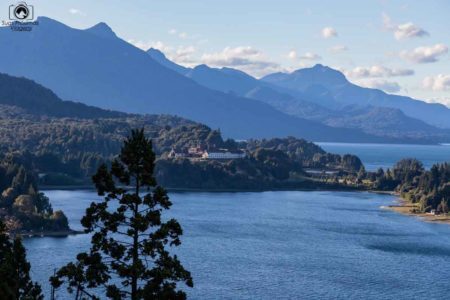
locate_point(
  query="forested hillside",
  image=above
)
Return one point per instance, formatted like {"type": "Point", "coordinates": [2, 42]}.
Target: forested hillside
{"type": "Point", "coordinates": [427, 189]}
{"type": "Point", "coordinates": [68, 150]}
{"type": "Point", "coordinates": [22, 206]}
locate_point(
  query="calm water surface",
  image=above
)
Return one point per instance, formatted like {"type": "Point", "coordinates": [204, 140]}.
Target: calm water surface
{"type": "Point", "coordinates": [376, 156]}
{"type": "Point", "coordinates": [285, 245]}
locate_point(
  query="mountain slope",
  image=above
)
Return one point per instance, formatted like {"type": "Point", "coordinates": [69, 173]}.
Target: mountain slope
{"type": "Point", "coordinates": [35, 99]}
{"type": "Point", "coordinates": [381, 121]}
{"type": "Point", "coordinates": [94, 67]}
{"type": "Point", "coordinates": [159, 57]}
{"type": "Point", "coordinates": [338, 91]}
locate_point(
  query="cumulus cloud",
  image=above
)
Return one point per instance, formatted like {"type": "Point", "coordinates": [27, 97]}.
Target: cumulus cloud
{"type": "Point", "coordinates": [172, 31]}
{"type": "Point", "coordinates": [329, 32]}
{"type": "Point", "coordinates": [75, 11]}
{"type": "Point", "coordinates": [377, 71]}
{"type": "Point", "coordinates": [310, 56]}
{"type": "Point", "coordinates": [145, 45]}
{"type": "Point", "coordinates": [387, 86]}
{"type": "Point", "coordinates": [409, 30]}
{"type": "Point", "coordinates": [184, 55]}
{"type": "Point", "coordinates": [439, 82]}
{"type": "Point", "coordinates": [246, 58]}
{"type": "Point", "coordinates": [338, 48]}
{"type": "Point", "coordinates": [403, 31]}
{"type": "Point", "coordinates": [292, 55]}
{"type": "Point", "coordinates": [424, 54]}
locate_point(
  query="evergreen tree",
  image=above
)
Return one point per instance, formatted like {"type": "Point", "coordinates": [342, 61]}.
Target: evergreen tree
{"type": "Point", "coordinates": [129, 247]}
{"type": "Point", "coordinates": [15, 281]}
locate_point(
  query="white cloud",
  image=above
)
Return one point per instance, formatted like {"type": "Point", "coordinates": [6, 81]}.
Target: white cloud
{"type": "Point", "coordinates": [184, 55]}
{"type": "Point", "coordinates": [439, 82]}
{"type": "Point", "coordinates": [75, 11]}
{"type": "Point", "coordinates": [172, 31]}
{"type": "Point", "coordinates": [147, 45]}
{"type": "Point", "coordinates": [183, 35]}
{"type": "Point", "coordinates": [338, 48]}
{"type": "Point", "coordinates": [403, 31]}
{"type": "Point", "coordinates": [387, 86]}
{"type": "Point", "coordinates": [409, 30]}
{"type": "Point", "coordinates": [424, 54]}
{"type": "Point", "coordinates": [292, 55]}
{"type": "Point", "coordinates": [310, 56]}
{"type": "Point", "coordinates": [377, 71]}
{"type": "Point", "coordinates": [245, 58]}
{"type": "Point", "coordinates": [329, 32]}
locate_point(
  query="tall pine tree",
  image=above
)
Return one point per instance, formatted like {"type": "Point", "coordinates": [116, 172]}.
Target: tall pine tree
{"type": "Point", "coordinates": [129, 248]}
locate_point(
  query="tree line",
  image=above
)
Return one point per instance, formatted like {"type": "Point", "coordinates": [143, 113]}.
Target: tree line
{"type": "Point", "coordinates": [429, 189]}
{"type": "Point", "coordinates": [130, 254]}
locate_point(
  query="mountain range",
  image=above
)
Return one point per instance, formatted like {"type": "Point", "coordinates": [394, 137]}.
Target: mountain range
{"type": "Point", "coordinates": [320, 94]}
{"type": "Point", "coordinates": [97, 68]}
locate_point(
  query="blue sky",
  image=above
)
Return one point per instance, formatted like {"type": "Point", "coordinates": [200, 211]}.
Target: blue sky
{"type": "Point", "coordinates": [398, 46]}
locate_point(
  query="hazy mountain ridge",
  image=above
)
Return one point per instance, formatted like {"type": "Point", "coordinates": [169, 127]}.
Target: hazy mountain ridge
{"type": "Point", "coordinates": [307, 96]}
{"type": "Point", "coordinates": [96, 68]}
{"type": "Point", "coordinates": [35, 99]}
{"type": "Point", "coordinates": [342, 92]}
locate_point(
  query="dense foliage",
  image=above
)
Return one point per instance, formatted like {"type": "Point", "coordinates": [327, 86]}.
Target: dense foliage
{"type": "Point", "coordinates": [22, 206]}
{"type": "Point", "coordinates": [308, 154]}
{"type": "Point", "coordinates": [67, 151]}
{"type": "Point", "coordinates": [129, 253]}
{"type": "Point", "coordinates": [15, 281]}
{"type": "Point", "coordinates": [430, 189]}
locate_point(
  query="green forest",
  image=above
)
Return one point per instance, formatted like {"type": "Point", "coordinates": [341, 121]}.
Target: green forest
{"type": "Point", "coordinates": [50, 142]}
{"type": "Point", "coordinates": [22, 207]}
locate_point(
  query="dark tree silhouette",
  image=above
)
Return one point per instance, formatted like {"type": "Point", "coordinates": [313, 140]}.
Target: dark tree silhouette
{"type": "Point", "coordinates": [129, 247]}
{"type": "Point", "coordinates": [15, 281]}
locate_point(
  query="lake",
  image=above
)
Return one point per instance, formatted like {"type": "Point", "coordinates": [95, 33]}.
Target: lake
{"type": "Point", "coordinates": [284, 245]}
{"type": "Point", "coordinates": [376, 156]}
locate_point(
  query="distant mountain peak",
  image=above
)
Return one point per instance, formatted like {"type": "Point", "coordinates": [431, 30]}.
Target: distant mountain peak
{"type": "Point", "coordinates": [202, 67]}
{"type": "Point", "coordinates": [161, 58]}
{"type": "Point", "coordinates": [320, 66]}
{"type": "Point", "coordinates": [44, 20]}
{"type": "Point", "coordinates": [318, 74]}
{"type": "Point", "coordinates": [46, 23]}
{"type": "Point", "coordinates": [103, 30]}
{"type": "Point", "coordinates": [155, 52]}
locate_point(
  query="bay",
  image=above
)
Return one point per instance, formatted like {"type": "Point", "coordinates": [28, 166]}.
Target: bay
{"type": "Point", "coordinates": [284, 245]}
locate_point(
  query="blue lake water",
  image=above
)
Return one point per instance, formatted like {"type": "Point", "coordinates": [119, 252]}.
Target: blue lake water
{"type": "Point", "coordinates": [285, 245]}
{"type": "Point", "coordinates": [376, 156]}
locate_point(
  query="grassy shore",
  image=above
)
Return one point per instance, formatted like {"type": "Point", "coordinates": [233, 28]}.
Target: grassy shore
{"type": "Point", "coordinates": [405, 207]}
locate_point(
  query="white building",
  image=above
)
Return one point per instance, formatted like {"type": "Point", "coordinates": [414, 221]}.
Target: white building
{"type": "Point", "coordinates": [223, 154]}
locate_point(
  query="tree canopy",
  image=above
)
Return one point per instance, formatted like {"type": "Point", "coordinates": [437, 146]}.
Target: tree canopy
{"type": "Point", "coordinates": [129, 254]}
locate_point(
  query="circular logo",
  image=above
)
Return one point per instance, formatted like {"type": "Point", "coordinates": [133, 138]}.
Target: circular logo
{"type": "Point", "coordinates": [21, 11]}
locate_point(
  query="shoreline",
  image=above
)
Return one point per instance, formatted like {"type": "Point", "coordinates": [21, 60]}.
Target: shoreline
{"type": "Point", "coordinates": [404, 207]}
{"type": "Point", "coordinates": [35, 234]}
{"type": "Point", "coordinates": [216, 190]}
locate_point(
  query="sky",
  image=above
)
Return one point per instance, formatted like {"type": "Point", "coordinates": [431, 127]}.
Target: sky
{"type": "Point", "coordinates": [401, 47]}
